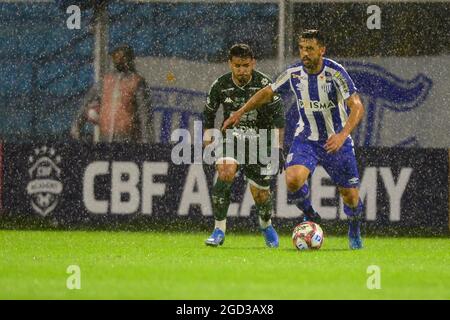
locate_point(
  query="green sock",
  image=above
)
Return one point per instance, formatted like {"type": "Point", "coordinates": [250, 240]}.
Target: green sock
{"type": "Point", "coordinates": [265, 211]}
{"type": "Point", "coordinates": [221, 199]}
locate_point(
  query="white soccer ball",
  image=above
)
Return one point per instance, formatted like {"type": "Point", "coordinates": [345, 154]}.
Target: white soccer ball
{"type": "Point", "coordinates": [307, 235]}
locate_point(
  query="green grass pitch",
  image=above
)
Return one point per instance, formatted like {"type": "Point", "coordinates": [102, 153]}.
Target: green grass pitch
{"type": "Point", "coordinates": [152, 265]}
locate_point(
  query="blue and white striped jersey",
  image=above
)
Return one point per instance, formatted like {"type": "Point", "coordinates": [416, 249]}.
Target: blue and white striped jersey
{"type": "Point", "coordinates": [320, 98]}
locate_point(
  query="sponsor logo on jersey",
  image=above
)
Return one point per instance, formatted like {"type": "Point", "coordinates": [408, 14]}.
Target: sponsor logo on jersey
{"type": "Point", "coordinates": [228, 100]}
{"type": "Point", "coordinates": [342, 82]}
{"type": "Point", "coordinates": [317, 105]}
{"type": "Point", "coordinates": [298, 76]}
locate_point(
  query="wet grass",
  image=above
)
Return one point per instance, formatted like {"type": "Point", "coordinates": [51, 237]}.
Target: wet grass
{"type": "Point", "coordinates": [173, 265]}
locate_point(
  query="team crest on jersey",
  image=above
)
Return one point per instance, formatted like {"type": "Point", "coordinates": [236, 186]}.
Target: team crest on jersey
{"type": "Point", "coordinates": [45, 185]}
{"type": "Point", "coordinates": [326, 87]}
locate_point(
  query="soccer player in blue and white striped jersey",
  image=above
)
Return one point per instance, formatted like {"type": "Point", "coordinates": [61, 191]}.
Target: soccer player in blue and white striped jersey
{"type": "Point", "coordinates": [330, 109]}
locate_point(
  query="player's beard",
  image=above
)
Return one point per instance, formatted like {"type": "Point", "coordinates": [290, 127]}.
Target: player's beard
{"type": "Point", "coordinates": [310, 64]}
{"type": "Point", "coordinates": [243, 80]}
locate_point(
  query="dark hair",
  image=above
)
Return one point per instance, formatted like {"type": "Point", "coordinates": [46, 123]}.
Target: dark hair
{"type": "Point", "coordinates": [127, 50]}
{"type": "Point", "coordinates": [313, 34]}
{"type": "Point", "coordinates": [240, 50]}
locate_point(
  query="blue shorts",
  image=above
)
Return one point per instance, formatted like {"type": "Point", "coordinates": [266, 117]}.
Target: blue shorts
{"type": "Point", "coordinates": [341, 166]}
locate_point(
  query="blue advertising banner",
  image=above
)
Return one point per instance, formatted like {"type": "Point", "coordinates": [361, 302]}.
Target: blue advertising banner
{"type": "Point", "coordinates": [81, 183]}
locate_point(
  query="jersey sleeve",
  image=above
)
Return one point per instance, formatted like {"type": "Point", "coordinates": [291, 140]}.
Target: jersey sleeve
{"type": "Point", "coordinates": [277, 108]}
{"type": "Point", "coordinates": [282, 84]}
{"type": "Point", "coordinates": [211, 106]}
{"type": "Point", "coordinates": [344, 83]}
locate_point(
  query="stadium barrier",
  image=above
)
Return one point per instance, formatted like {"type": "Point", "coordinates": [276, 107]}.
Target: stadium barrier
{"type": "Point", "coordinates": [73, 184]}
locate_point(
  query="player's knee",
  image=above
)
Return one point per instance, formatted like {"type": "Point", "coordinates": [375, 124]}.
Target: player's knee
{"type": "Point", "coordinates": [350, 196]}
{"type": "Point", "coordinates": [226, 177]}
{"type": "Point", "coordinates": [261, 196]}
{"type": "Point", "coordinates": [294, 182]}
{"type": "Point", "coordinates": [226, 173]}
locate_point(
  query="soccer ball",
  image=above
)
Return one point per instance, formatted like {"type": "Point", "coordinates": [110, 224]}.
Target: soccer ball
{"type": "Point", "coordinates": [307, 235]}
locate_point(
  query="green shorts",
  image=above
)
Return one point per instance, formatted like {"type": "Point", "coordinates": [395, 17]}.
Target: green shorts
{"type": "Point", "coordinates": [255, 170]}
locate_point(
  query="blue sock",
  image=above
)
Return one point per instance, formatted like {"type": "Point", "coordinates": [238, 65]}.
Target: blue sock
{"type": "Point", "coordinates": [354, 217]}
{"type": "Point", "coordinates": [301, 198]}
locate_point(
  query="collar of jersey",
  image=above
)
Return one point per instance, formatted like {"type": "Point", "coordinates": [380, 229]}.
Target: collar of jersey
{"type": "Point", "coordinates": [242, 88]}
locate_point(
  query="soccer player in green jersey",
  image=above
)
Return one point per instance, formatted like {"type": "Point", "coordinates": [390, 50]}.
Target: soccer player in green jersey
{"type": "Point", "coordinates": [231, 91]}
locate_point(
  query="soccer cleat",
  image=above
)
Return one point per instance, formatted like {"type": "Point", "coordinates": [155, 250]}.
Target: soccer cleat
{"type": "Point", "coordinates": [312, 216]}
{"type": "Point", "coordinates": [216, 238]}
{"type": "Point", "coordinates": [270, 236]}
{"type": "Point", "coordinates": [354, 233]}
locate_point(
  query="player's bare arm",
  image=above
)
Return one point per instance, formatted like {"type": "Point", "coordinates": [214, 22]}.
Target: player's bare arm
{"type": "Point", "coordinates": [335, 142]}
{"type": "Point", "coordinates": [260, 98]}
{"type": "Point", "coordinates": [280, 138]}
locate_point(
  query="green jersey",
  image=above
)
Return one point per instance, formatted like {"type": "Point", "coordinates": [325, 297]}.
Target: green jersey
{"type": "Point", "coordinates": [232, 97]}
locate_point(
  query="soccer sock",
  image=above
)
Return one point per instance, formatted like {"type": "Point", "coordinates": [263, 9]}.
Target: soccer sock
{"type": "Point", "coordinates": [264, 224]}
{"type": "Point", "coordinates": [354, 216]}
{"type": "Point", "coordinates": [222, 225]}
{"type": "Point", "coordinates": [264, 211]}
{"type": "Point", "coordinates": [221, 199]}
{"type": "Point", "coordinates": [301, 199]}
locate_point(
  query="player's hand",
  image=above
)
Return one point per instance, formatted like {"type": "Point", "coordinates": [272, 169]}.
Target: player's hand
{"type": "Point", "coordinates": [335, 142]}
{"type": "Point", "coordinates": [233, 120]}
{"type": "Point", "coordinates": [207, 139]}
{"type": "Point", "coordinates": [281, 160]}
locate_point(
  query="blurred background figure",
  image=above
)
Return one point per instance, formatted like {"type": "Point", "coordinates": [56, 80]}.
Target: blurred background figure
{"type": "Point", "coordinates": [119, 106]}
